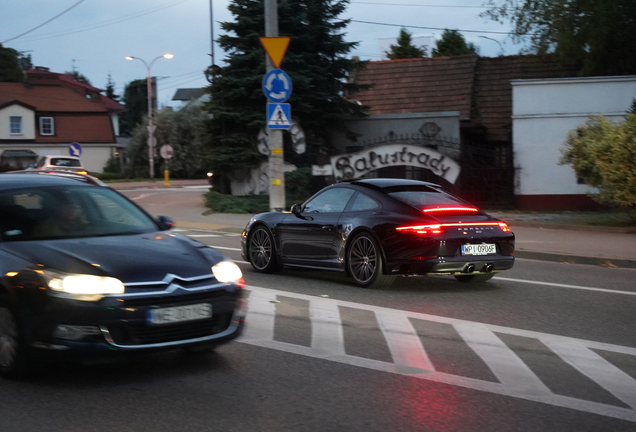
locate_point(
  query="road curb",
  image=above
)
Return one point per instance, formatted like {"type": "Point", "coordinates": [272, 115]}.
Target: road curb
{"type": "Point", "coordinates": [576, 259]}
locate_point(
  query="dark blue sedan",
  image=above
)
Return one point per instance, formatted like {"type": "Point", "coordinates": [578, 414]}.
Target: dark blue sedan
{"type": "Point", "coordinates": [86, 272]}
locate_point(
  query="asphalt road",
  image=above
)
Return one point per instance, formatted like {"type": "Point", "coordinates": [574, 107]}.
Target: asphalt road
{"type": "Point", "coordinates": [544, 346]}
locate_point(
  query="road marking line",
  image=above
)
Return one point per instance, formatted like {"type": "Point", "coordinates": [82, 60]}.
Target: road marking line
{"type": "Point", "coordinates": [598, 370]}
{"type": "Point", "coordinates": [204, 235]}
{"type": "Point", "coordinates": [509, 369]}
{"type": "Point", "coordinates": [404, 343]}
{"type": "Point", "coordinates": [566, 286]}
{"type": "Point", "coordinates": [261, 313]}
{"type": "Point", "coordinates": [327, 336]}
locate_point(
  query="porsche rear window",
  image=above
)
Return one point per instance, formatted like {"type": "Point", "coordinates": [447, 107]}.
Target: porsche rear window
{"type": "Point", "coordinates": [425, 199]}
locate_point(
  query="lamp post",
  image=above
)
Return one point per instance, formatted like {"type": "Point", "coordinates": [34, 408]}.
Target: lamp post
{"type": "Point", "coordinates": [498, 43]}
{"type": "Point", "coordinates": [151, 127]}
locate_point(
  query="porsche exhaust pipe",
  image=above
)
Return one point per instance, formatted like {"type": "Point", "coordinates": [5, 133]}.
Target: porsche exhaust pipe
{"type": "Point", "coordinates": [469, 268]}
{"type": "Point", "coordinates": [489, 267]}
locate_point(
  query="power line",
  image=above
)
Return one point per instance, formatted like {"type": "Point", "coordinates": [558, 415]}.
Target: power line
{"type": "Point", "coordinates": [108, 22]}
{"type": "Point", "coordinates": [45, 22]}
{"type": "Point", "coordinates": [420, 5]}
{"type": "Point", "coordinates": [432, 28]}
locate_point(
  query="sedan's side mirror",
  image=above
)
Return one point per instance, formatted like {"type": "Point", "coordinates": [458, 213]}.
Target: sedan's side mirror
{"type": "Point", "coordinates": [166, 223]}
{"type": "Point", "coordinates": [297, 209]}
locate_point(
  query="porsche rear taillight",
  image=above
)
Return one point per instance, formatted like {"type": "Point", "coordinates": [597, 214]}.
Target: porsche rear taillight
{"type": "Point", "coordinates": [504, 227]}
{"type": "Point", "coordinates": [423, 229]}
{"type": "Point", "coordinates": [436, 229]}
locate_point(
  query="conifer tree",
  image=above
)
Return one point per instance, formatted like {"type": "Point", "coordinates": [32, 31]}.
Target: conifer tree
{"type": "Point", "coordinates": [404, 48]}
{"type": "Point", "coordinates": [315, 60]}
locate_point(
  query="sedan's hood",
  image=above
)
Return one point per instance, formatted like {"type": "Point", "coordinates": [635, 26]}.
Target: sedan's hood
{"type": "Point", "coordinates": [130, 258]}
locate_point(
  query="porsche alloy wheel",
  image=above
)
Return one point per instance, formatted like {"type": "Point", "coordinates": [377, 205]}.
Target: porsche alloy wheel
{"type": "Point", "coordinates": [262, 251]}
{"type": "Point", "coordinates": [364, 262]}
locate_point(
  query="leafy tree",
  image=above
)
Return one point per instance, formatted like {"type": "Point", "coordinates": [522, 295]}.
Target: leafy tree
{"type": "Point", "coordinates": [110, 89]}
{"type": "Point", "coordinates": [602, 154]}
{"type": "Point", "coordinates": [593, 34]}
{"type": "Point", "coordinates": [315, 60]}
{"type": "Point", "coordinates": [404, 48]}
{"type": "Point", "coordinates": [10, 70]}
{"type": "Point", "coordinates": [184, 130]}
{"type": "Point", "coordinates": [452, 43]}
{"type": "Point", "coordinates": [77, 76]}
{"type": "Point", "coordinates": [136, 102]}
{"type": "Point", "coordinates": [25, 61]}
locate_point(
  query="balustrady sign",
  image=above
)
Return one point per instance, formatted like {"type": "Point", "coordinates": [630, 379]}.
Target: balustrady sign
{"type": "Point", "coordinates": [355, 165]}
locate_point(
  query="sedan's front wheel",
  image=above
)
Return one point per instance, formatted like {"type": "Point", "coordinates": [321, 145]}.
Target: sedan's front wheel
{"type": "Point", "coordinates": [13, 356]}
{"type": "Point", "coordinates": [364, 263]}
{"type": "Point", "coordinates": [262, 251]}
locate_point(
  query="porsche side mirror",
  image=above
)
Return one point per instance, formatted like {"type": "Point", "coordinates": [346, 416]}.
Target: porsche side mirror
{"type": "Point", "coordinates": [297, 209]}
{"type": "Point", "coordinates": [166, 223]}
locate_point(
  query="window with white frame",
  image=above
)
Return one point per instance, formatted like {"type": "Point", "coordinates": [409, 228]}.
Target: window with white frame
{"type": "Point", "coordinates": [47, 126]}
{"type": "Point", "coordinates": [15, 125]}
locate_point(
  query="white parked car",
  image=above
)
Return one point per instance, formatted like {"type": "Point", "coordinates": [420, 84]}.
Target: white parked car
{"type": "Point", "coordinates": [60, 163]}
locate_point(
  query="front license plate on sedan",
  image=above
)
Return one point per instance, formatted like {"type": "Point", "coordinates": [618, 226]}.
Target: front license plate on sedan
{"type": "Point", "coordinates": [479, 249]}
{"type": "Point", "coordinates": [179, 314]}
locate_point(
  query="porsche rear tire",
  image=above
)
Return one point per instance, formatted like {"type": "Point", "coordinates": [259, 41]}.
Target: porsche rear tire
{"type": "Point", "coordinates": [474, 278]}
{"type": "Point", "coordinates": [364, 263]}
{"type": "Point", "coordinates": [262, 251]}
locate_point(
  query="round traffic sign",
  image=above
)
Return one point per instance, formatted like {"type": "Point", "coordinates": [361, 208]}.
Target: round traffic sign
{"type": "Point", "coordinates": [75, 149]}
{"type": "Point", "coordinates": [277, 85]}
{"type": "Point", "coordinates": [166, 151]}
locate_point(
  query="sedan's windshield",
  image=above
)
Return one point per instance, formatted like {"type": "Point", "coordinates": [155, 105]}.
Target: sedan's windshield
{"type": "Point", "coordinates": [68, 212]}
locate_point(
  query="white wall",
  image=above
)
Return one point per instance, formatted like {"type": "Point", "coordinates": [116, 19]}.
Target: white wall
{"type": "Point", "coordinates": [94, 156]}
{"type": "Point", "coordinates": [28, 122]}
{"type": "Point", "coordinates": [544, 111]}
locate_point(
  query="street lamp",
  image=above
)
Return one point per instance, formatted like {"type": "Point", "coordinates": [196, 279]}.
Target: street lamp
{"type": "Point", "coordinates": [151, 127]}
{"type": "Point", "coordinates": [498, 43]}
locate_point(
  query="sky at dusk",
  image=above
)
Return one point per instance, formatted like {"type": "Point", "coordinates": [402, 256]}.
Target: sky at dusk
{"type": "Point", "coordinates": [94, 36]}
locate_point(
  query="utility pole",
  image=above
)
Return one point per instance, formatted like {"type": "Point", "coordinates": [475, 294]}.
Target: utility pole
{"type": "Point", "coordinates": [276, 158]}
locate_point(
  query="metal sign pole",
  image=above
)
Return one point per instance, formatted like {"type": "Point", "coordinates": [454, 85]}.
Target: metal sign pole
{"type": "Point", "coordinates": [276, 157]}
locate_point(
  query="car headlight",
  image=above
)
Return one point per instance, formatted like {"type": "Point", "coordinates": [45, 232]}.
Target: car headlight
{"type": "Point", "coordinates": [228, 272]}
{"type": "Point", "coordinates": [83, 287]}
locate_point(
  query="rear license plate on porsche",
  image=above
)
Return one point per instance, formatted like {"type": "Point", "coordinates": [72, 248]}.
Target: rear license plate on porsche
{"type": "Point", "coordinates": [179, 314]}
{"type": "Point", "coordinates": [479, 249]}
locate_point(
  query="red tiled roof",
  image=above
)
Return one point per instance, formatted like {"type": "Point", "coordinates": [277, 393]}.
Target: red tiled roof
{"type": "Point", "coordinates": [84, 129]}
{"type": "Point", "coordinates": [54, 98]}
{"type": "Point", "coordinates": [478, 87]}
{"type": "Point", "coordinates": [418, 85]}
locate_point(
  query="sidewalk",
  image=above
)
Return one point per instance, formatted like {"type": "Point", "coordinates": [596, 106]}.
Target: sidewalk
{"type": "Point", "coordinates": [540, 240]}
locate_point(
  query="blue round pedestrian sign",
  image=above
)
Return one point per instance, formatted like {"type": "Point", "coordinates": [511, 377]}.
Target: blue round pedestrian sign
{"type": "Point", "coordinates": [277, 85]}
{"type": "Point", "coordinates": [75, 149]}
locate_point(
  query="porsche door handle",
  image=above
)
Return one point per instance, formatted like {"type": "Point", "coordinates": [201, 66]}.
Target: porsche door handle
{"type": "Point", "coordinates": [328, 227]}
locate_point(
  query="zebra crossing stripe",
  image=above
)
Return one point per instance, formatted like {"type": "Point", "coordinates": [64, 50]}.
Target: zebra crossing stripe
{"type": "Point", "coordinates": [327, 338]}
{"type": "Point", "coordinates": [598, 369]}
{"type": "Point", "coordinates": [261, 313]}
{"type": "Point", "coordinates": [404, 343]}
{"type": "Point", "coordinates": [509, 369]}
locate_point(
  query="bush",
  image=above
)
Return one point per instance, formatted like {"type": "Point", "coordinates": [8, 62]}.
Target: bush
{"type": "Point", "coordinates": [602, 154]}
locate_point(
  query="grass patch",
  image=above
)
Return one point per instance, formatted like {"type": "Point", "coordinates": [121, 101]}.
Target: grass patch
{"type": "Point", "coordinates": [610, 218]}
{"type": "Point", "coordinates": [221, 203]}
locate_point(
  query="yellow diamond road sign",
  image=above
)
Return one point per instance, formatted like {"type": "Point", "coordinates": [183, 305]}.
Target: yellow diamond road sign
{"type": "Point", "coordinates": [275, 47]}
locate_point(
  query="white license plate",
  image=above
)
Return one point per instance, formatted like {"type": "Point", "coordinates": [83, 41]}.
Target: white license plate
{"type": "Point", "coordinates": [179, 314]}
{"type": "Point", "coordinates": [479, 249]}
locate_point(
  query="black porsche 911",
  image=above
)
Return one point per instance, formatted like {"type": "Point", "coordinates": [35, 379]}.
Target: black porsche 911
{"type": "Point", "coordinates": [375, 229]}
{"type": "Point", "coordinates": [86, 272]}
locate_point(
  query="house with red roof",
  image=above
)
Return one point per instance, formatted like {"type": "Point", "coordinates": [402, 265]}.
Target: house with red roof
{"type": "Point", "coordinates": [48, 112]}
{"type": "Point", "coordinates": [448, 120]}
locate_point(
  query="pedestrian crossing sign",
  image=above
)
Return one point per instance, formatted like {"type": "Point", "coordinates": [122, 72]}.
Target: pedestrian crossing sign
{"type": "Point", "coordinates": [278, 116]}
